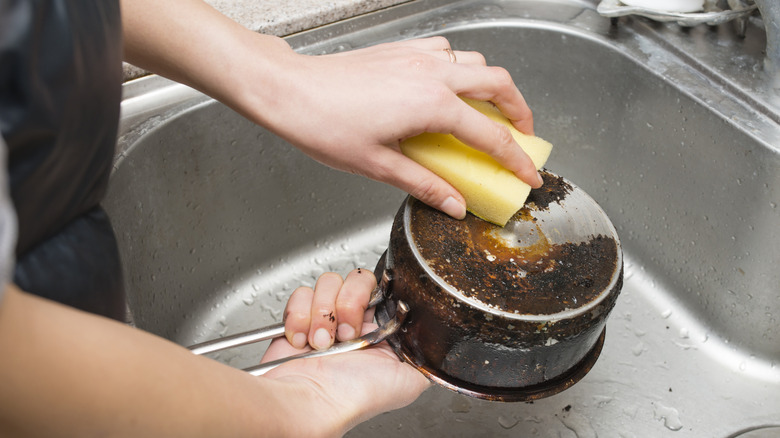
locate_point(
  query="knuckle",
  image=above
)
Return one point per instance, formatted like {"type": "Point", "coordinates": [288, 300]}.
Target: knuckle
{"type": "Point", "coordinates": [295, 317]}
{"type": "Point", "coordinates": [349, 307]}
{"type": "Point", "coordinates": [326, 282]}
{"type": "Point", "coordinates": [502, 77]}
{"type": "Point", "coordinates": [504, 143]}
{"type": "Point", "coordinates": [382, 171]}
{"type": "Point", "coordinates": [439, 95]}
{"type": "Point", "coordinates": [425, 189]}
{"type": "Point", "coordinates": [479, 57]}
{"type": "Point", "coordinates": [503, 147]}
{"type": "Point", "coordinates": [324, 313]}
{"type": "Point", "coordinates": [440, 39]}
{"type": "Point", "coordinates": [330, 276]}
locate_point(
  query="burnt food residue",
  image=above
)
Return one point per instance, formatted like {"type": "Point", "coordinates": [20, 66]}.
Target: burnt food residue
{"type": "Point", "coordinates": [539, 279]}
{"type": "Point", "coordinates": [553, 190]}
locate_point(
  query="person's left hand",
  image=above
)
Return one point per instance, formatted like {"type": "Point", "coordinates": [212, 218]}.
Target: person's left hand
{"type": "Point", "coordinates": [340, 390]}
{"type": "Point", "coordinates": [334, 309]}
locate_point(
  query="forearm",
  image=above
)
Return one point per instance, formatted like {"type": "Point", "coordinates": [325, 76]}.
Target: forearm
{"type": "Point", "coordinates": [192, 43]}
{"type": "Point", "coordinates": [347, 110]}
{"type": "Point", "coordinates": [68, 373]}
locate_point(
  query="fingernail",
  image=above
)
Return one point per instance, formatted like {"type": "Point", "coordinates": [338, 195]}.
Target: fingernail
{"type": "Point", "coordinates": [321, 339]}
{"type": "Point", "coordinates": [346, 332]}
{"type": "Point", "coordinates": [299, 340]}
{"type": "Point", "coordinates": [539, 179]}
{"type": "Point", "coordinates": [453, 208]}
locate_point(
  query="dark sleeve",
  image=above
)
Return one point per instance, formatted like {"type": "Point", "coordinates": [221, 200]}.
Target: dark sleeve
{"type": "Point", "coordinates": [7, 224]}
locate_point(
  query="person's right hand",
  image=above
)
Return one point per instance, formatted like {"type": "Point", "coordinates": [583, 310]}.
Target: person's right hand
{"type": "Point", "coordinates": [351, 110]}
{"type": "Point", "coordinates": [347, 110]}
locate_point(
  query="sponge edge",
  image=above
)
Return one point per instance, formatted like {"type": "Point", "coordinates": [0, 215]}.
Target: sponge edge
{"type": "Point", "coordinates": [492, 192]}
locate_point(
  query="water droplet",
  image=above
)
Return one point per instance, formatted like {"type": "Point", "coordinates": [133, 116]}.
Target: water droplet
{"type": "Point", "coordinates": [602, 400]}
{"type": "Point", "coordinates": [460, 405]}
{"type": "Point", "coordinates": [669, 415]}
{"type": "Point", "coordinates": [638, 349]}
{"type": "Point", "coordinates": [578, 424]}
{"type": "Point", "coordinates": [507, 422]}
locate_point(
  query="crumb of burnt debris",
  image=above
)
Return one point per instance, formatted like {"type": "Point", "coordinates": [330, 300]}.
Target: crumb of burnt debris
{"type": "Point", "coordinates": [567, 408]}
{"type": "Point", "coordinates": [330, 317]}
{"type": "Point", "coordinates": [554, 190]}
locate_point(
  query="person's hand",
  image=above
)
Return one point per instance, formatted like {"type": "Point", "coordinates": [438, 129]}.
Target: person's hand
{"type": "Point", "coordinates": [341, 390]}
{"type": "Point", "coordinates": [350, 110]}
{"type": "Point", "coordinates": [347, 110]}
{"type": "Point", "coordinates": [334, 309]}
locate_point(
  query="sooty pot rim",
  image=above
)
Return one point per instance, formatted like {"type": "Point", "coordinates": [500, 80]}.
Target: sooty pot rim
{"type": "Point", "coordinates": [558, 213]}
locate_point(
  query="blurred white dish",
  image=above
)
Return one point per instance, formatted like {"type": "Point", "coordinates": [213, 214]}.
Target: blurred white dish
{"type": "Point", "coordinates": [667, 5]}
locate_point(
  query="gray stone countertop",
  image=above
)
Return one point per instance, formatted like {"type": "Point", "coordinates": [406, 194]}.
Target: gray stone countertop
{"type": "Point", "coordinates": [285, 17]}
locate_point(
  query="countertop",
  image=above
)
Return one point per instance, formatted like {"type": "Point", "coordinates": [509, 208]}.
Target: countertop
{"type": "Point", "coordinates": [285, 17]}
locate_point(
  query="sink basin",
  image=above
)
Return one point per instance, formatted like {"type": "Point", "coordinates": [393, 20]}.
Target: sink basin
{"type": "Point", "coordinates": [219, 220]}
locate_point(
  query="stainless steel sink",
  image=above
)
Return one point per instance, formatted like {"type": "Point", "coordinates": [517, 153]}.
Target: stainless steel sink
{"type": "Point", "coordinates": [219, 220]}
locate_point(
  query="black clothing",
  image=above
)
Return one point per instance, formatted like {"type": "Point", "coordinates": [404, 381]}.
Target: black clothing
{"type": "Point", "coordinates": [60, 89]}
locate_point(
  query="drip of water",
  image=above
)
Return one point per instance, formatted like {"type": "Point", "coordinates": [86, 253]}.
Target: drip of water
{"type": "Point", "coordinates": [669, 415]}
{"type": "Point", "coordinates": [578, 424]}
{"type": "Point", "coordinates": [507, 422]}
{"type": "Point", "coordinates": [460, 405]}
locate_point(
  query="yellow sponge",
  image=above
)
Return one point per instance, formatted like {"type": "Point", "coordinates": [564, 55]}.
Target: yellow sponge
{"type": "Point", "coordinates": [492, 192]}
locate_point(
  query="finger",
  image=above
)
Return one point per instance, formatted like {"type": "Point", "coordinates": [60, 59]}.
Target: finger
{"type": "Point", "coordinates": [459, 57]}
{"type": "Point", "coordinates": [493, 84]}
{"type": "Point", "coordinates": [322, 330]}
{"type": "Point", "coordinates": [469, 57]}
{"type": "Point", "coordinates": [478, 131]}
{"type": "Point", "coordinates": [392, 167]}
{"type": "Point", "coordinates": [438, 46]}
{"type": "Point", "coordinates": [297, 316]}
{"type": "Point", "coordinates": [352, 302]}
{"type": "Point", "coordinates": [429, 43]}
{"type": "Point", "coordinates": [495, 139]}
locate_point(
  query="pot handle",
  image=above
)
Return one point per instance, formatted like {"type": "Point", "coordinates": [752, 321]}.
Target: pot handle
{"type": "Point", "coordinates": [277, 330]}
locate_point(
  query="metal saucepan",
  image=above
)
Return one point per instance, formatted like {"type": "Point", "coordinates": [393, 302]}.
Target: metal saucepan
{"type": "Point", "coordinates": [511, 314]}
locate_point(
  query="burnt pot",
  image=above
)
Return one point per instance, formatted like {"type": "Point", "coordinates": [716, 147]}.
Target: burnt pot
{"type": "Point", "coordinates": [512, 314]}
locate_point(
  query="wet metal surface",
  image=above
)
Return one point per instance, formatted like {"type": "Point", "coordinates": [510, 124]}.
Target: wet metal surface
{"type": "Point", "coordinates": [219, 220]}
